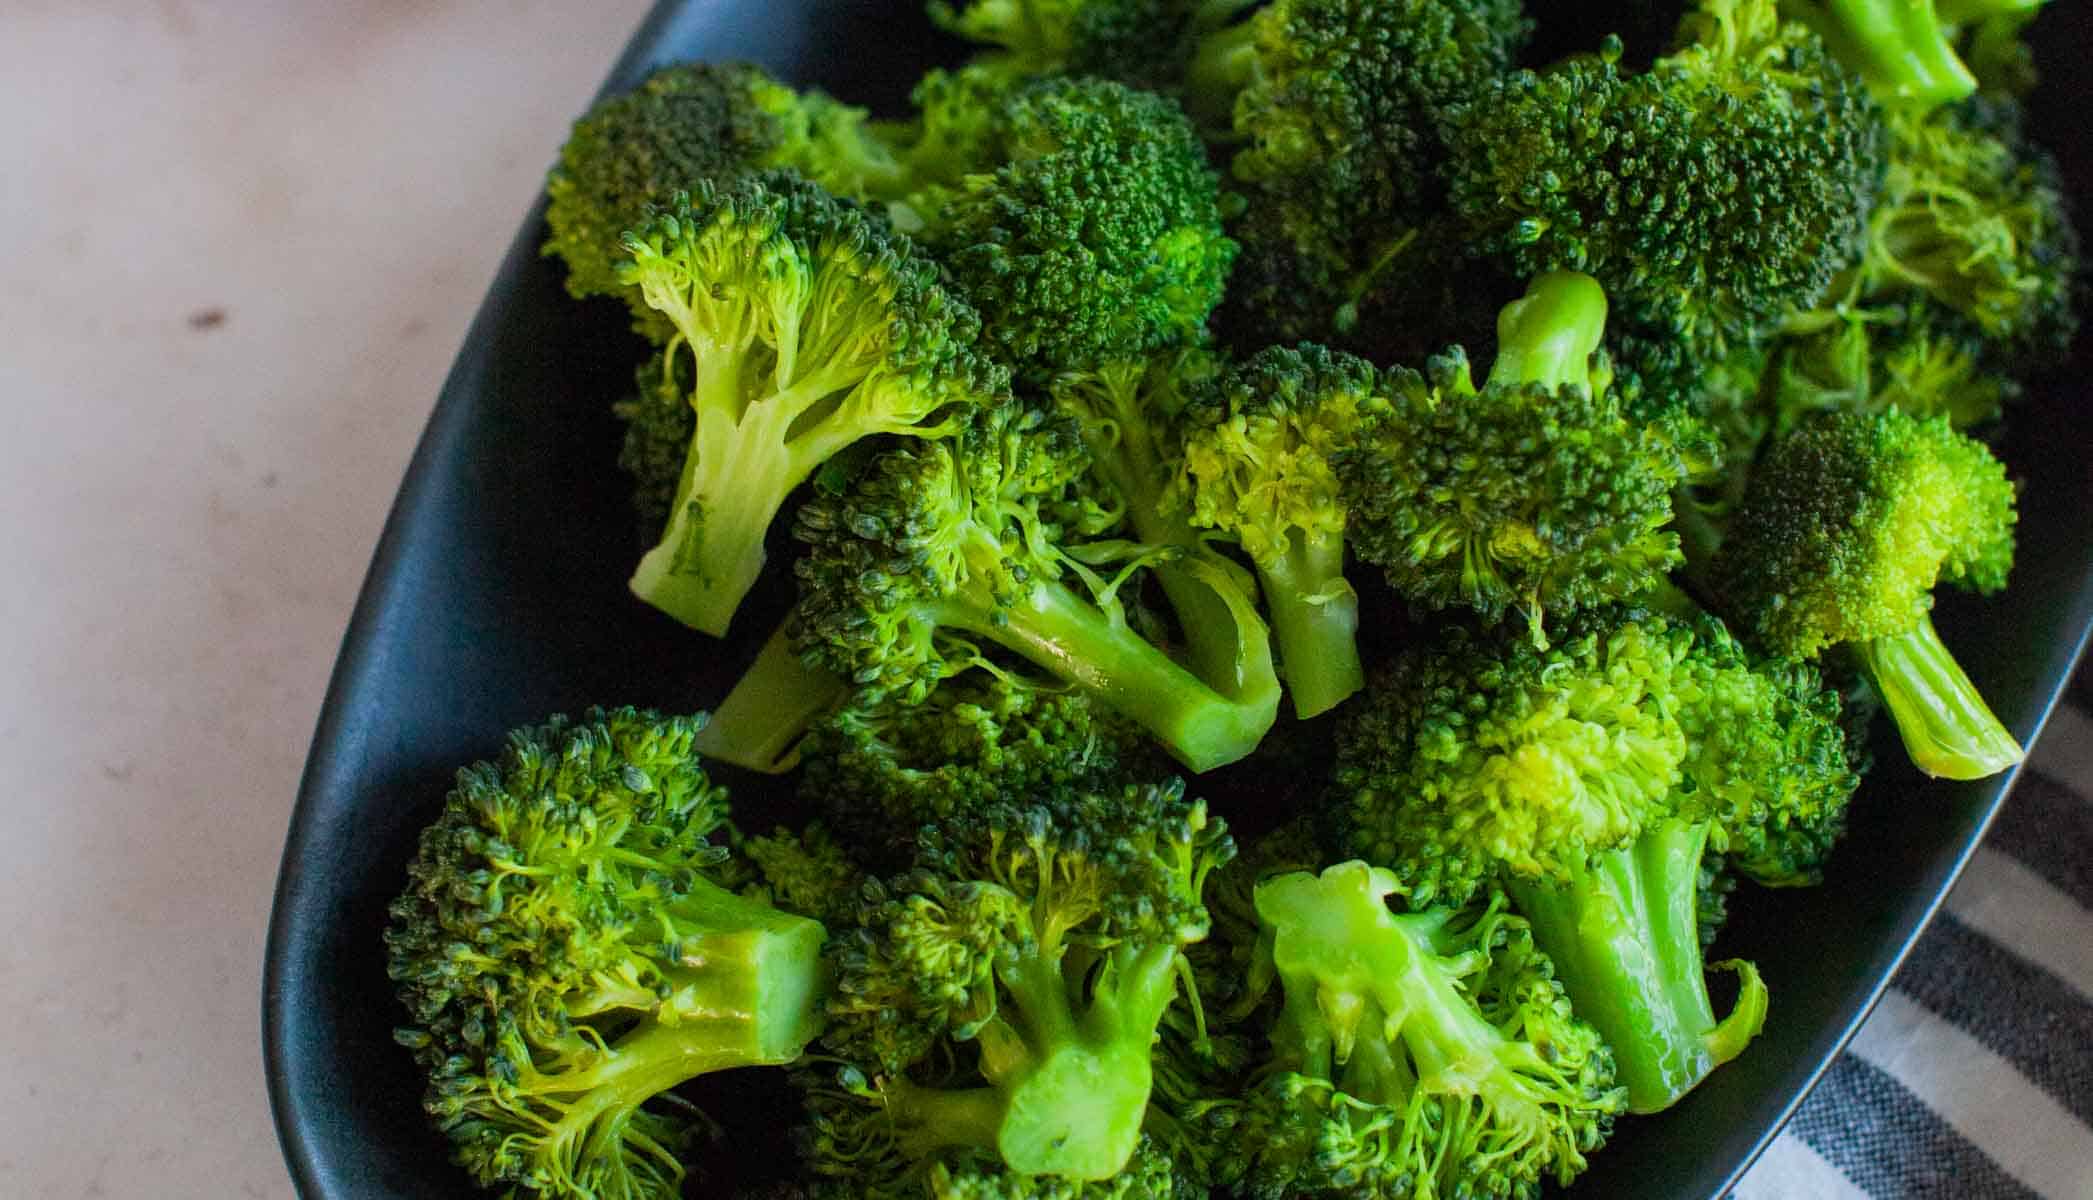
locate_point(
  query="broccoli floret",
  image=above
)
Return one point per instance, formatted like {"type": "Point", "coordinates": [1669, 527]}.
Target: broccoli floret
{"type": "Point", "coordinates": [806, 871]}
{"type": "Point", "coordinates": [1588, 780]}
{"type": "Point", "coordinates": [1128, 413]}
{"type": "Point", "coordinates": [1533, 493]}
{"type": "Point", "coordinates": [1427, 1054]}
{"type": "Point", "coordinates": [1904, 48]}
{"type": "Point", "coordinates": [1847, 527]}
{"type": "Point", "coordinates": [940, 546]}
{"type": "Point", "coordinates": [1973, 219]}
{"type": "Point", "coordinates": [1090, 232]}
{"type": "Point", "coordinates": [1709, 195]}
{"type": "Point", "coordinates": [882, 769]}
{"type": "Point", "coordinates": [1337, 111]}
{"type": "Point", "coordinates": [1921, 360]}
{"type": "Point", "coordinates": [998, 1003]}
{"type": "Point", "coordinates": [568, 949]}
{"type": "Point", "coordinates": [1142, 42]}
{"type": "Point", "coordinates": [685, 126]}
{"type": "Point", "coordinates": [1256, 468]}
{"type": "Point", "coordinates": [801, 326]}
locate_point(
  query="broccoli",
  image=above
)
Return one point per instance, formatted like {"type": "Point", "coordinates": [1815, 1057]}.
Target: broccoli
{"type": "Point", "coordinates": [1426, 1054]}
{"type": "Point", "coordinates": [1920, 360]}
{"type": "Point", "coordinates": [1091, 229]}
{"type": "Point", "coordinates": [1847, 526]}
{"type": "Point", "coordinates": [687, 125]}
{"type": "Point", "coordinates": [801, 326]}
{"type": "Point", "coordinates": [1128, 413]}
{"type": "Point", "coordinates": [1337, 111]}
{"type": "Point", "coordinates": [804, 871]}
{"type": "Point", "coordinates": [1143, 42]}
{"type": "Point", "coordinates": [1256, 467]}
{"type": "Point", "coordinates": [1904, 48]}
{"type": "Point", "coordinates": [942, 545]}
{"type": "Point", "coordinates": [1589, 780]}
{"type": "Point", "coordinates": [995, 1006]}
{"type": "Point", "coordinates": [1709, 195]}
{"type": "Point", "coordinates": [568, 948]}
{"type": "Point", "coordinates": [882, 769]}
{"type": "Point", "coordinates": [1532, 493]}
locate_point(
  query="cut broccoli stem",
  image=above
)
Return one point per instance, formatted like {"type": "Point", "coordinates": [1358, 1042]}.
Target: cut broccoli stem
{"type": "Point", "coordinates": [762, 722]}
{"type": "Point", "coordinates": [1948, 729]}
{"type": "Point", "coordinates": [1547, 337]}
{"type": "Point", "coordinates": [1315, 621]}
{"type": "Point", "coordinates": [1074, 638]}
{"type": "Point", "coordinates": [1626, 945]}
{"type": "Point", "coordinates": [1897, 46]}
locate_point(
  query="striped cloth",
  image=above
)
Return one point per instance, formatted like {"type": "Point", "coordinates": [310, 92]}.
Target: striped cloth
{"type": "Point", "coordinates": [1973, 1079]}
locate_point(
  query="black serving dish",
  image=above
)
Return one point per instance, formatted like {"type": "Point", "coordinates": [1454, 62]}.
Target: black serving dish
{"type": "Point", "coordinates": [497, 596]}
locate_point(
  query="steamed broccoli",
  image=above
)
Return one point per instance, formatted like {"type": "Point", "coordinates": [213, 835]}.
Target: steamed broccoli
{"type": "Point", "coordinates": [1921, 361]}
{"type": "Point", "coordinates": [1848, 525]}
{"type": "Point", "coordinates": [1336, 110]}
{"type": "Point", "coordinates": [569, 949]}
{"type": "Point", "coordinates": [1533, 493]}
{"type": "Point", "coordinates": [1589, 780]}
{"type": "Point", "coordinates": [942, 545]}
{"type": "Point", "coordinates": [800, 325]}
{"type": "Point", "coordinates": [1903, 48]}
{"type": "Point", "coordinates": [1710, 194]}
{"type": "Point", "coordinates": [685, 126]}
{"type": "Point", "coordinates": [1256, 468]}
{"type": "Point", "coordinates": [1141, 42]}
{"type": "Point", "coordinates": [995, 1007]}
{"type": "Point", "coordinates": [1426, 1054]}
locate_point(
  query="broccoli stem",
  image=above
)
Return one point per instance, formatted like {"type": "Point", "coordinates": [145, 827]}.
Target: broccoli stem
{"type": "Point", "coordinates": [764, 718]}
{"type": "Point", "coordinates": [1547, 337]}
{"type": "Point", "coordinates": [1083, 644]}
{"type": "Point", "coordinates": [1315, 621]}
{"type": "Point", "coordinates": [1947, 728]}
{"type": "Point", "coordinates": [1626, 946]}
{"type": "Point", "coordinates": [1897, 46]}
{"type": "Point", "coordinates": [1223, 64]}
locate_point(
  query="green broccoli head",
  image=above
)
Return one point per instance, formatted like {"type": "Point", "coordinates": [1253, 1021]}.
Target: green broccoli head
{"type": "Point", "coordinates": [1533, 493]}
{"type": "Point", "coordinates": [944, 547]}
{"type": "Point", "coordinates": [1337, 109]}
{"type": "Point", "coordinates": [568, 950]}
{"type": "Point", "coordinates": [1972, 219]}
{"type": "Point", "coordinates": [1848, 525]}
{"type": "Point", "coordinates": [1093, 234]}
{"type": "Point", "coordinates": [883, 770]}
{"type": "Point", "coordinates": [687, 125]}
{"type": "Point", "coordinates": [800, 326]}
{"type": "Point", "coordinates": [1002, 998]}
{"type": "Point", "coordinates": [1710, 194]}
{"type": "Point", "coordinates": [1431, 1053]}
{"type": "Point", "coordinates": [1255, 467]}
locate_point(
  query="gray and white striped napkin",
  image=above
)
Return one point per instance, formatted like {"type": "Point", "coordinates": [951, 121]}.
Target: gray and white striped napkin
{"type": "Point", "coordinates": [1973, 1079]}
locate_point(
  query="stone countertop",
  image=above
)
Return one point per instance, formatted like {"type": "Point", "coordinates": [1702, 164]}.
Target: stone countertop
{"type": "Point", "coordinates": [243, 243]}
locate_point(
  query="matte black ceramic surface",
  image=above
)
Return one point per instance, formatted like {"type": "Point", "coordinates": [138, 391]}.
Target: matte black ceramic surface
{"type": "Point", "coordinates": [497, 596]}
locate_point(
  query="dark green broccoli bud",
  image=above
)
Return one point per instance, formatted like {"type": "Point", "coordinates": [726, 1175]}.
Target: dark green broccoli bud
{"type": "Point", "coordinates": [1533, 493]}
{"type": "Point", "coordinates": [941, 546]}
{"type": "Point", "coordinates": [1973, 219]}
{"type": "Point", "coordinates": [1256, 468]}
{"type": "Point", "coordinates": [1903, 48]}
{"type": "Point", "coordinates": [1709, 195]}
{"type": "Point", "coordinates": [1428, 1054]}
{"type": "Point", "coordinates": [1338, 109]}
{"type": "Point", "coordinates": [568, 949]}
{"type": "Point", "coordinates": [1589, 780]}
{"type": "Point", "coordinates": [806, 872]}
{"type": "Point", "coordinates": [1002, 998]}
{"type": "Point", "coordinates": [1092, 233]}
{"type": "Point", "coordinates": [688, 125]}
{"type": "Point", "coordinates": [658, 424]}
{"type": "Point", "coordinates": [801, 326]}
{"type": "Point", "coordinates": [883, 769]}
{"type": "Point", "coordinates": [1847, 527]}
{"type": "Point", "coordinates": [1128, 414]}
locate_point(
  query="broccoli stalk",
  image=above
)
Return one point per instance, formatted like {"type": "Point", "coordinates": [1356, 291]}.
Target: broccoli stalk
{"type": "Point", "coordinates": [1624, 932]}
{"type": "Point", "coordinates": [807, 327]}
{"type": "Point", "coordinates": [1948, 729]}
{"type": "Point", "coordinates": [764, 718]}
{"type": "Point", "coordinates": [1902, 48]}
{"type": "Point", "coordinates": [568, 950]}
